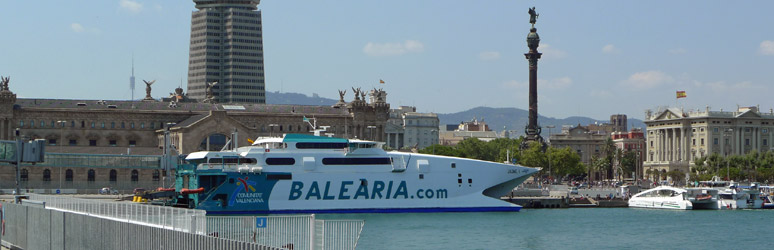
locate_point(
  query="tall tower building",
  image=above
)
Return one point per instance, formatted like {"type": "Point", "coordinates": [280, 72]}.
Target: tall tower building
{"type": "Point", "coordinates": [227, 47]}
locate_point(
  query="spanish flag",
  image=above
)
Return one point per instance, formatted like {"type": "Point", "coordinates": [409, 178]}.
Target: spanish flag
{"type": "Point", "coordinates": [681, 94]}
{"type": "Point", "coordinates": [381, 81]}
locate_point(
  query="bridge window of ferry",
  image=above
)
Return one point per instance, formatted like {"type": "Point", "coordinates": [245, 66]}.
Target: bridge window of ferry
{"type": "Point", "coordinates": [357, 161]}
{"type": "Point", "coordinates": [69, 175]}
{"type": "Point", "coordinates": [315, 145]}
{"type": "Point", "coordinates": [280, 161]}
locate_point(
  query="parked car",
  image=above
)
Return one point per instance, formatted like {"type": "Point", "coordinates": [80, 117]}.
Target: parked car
{"type": "Point", "coordinates": [573, 190]}
{"type": "Point", "coordinates": [107, 190]}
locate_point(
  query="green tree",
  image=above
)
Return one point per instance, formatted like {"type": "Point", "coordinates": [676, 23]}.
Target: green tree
{"type": "Point", "coordinates": [534, 157]}
{"type": "Point", "coordinates": [565, 162]}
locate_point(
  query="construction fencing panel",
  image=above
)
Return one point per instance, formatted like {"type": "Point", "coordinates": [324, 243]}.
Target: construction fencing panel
{"type": "Point", "coordinates": [181, 219]}
{"type": "Point", "coordinates": [291, 232]}
{"type": "Point", "coordinates": [39, 228]}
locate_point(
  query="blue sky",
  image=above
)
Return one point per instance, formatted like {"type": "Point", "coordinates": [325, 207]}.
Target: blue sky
{"type": "Point", "coordinates": [599, 57]}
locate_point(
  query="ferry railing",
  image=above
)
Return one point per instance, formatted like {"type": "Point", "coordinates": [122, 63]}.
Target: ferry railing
{"type": "Point", "coordinates": [290, 232]}
{"type": "Point", "coordinates": [179, 219]}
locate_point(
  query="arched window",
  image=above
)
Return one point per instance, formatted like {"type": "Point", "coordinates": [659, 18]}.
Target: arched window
{"type": "Point", "coordinates": [135, 176]}
{"type": "Point", "coordinates": [24, 175]}
{"type": "Point", "coordinates": [113, 175]}
{"type": "Point", "coordinates": [156, 175]}
{"type": "Point", "coordinates": [69, 175]}
{"type": "Point", "coordinates": [91, 175]}
{"type": "Point", "coordinates": [46, 175]}
{"type": "Point", "coordinates": [112, 124]}
{"type": "Point", "coordinates": [213, 142]}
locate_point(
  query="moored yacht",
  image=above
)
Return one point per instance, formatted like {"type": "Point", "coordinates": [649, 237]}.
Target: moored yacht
{"type": "Point", "coordinates": [312, 174]}
{"type": "Point", "coordinates": [738, 197]}
{"type": "Point", "coordinates": [663, 197]}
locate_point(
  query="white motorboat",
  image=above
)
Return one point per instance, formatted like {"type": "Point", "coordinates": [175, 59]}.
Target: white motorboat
{"type": "Point", "coordinates": [663, 197]}
{"type": "Point", "coordinates": [737, 197]}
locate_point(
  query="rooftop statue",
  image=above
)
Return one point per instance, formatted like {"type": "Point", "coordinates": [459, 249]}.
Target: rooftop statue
{"type": "Point", "coordinates": [4, 83]}
{"type": "Point", "coordinates": [341, 95]}
{"type": "Point", "coordinates": [357, 93]}
{"type": "Point", "coordinates": [148, 89]}
{"type": "Point", "coordinates": [533, 16]}
{"type": "Point", "coordinates": [208, 90]}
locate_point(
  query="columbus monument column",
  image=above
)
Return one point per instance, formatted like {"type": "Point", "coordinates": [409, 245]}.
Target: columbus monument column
{"type": "Point", "coordinates": [532, 130]}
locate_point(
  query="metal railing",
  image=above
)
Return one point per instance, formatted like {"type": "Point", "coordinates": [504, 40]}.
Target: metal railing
{"type": "Point", "coordinates": [29, 227]}
{"type": "Point", "coordinates": [291, 232]}
{"type": "Point", "coordinates": [179, 219]}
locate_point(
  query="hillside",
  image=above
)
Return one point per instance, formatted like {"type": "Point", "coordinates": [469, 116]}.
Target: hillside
{"type": "Point", "coordinates": [516, 119]}
{"type": "Point", "coordinates": [297, 99]}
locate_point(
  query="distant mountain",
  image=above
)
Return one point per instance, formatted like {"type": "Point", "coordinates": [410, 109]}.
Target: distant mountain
{"type": "Point", "coordinates": [297, 99]}
{"type": "Point", "coordinates": [497, 118]}
{"type": "Point", "coordinates": [516, 119]}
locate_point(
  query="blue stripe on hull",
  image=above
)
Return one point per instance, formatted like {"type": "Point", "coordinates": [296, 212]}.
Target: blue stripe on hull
{"type": "Point", "coordinates": [377, 210]}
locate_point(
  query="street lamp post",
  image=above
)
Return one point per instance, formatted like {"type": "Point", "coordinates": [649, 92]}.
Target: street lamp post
{"type": "Point", "coordinates": [549, 154]}
{"type": "Point", "coordinates": [727, 134]}
{"type": "Point", "coordinates": [371, 129]}
{"type": "Point", "coordinates": [271, 126]}
{"type": "Point", "coordinates": [61, 138]}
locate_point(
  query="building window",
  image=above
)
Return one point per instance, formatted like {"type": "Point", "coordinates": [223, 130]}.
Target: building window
{"type": "Point", "coordinates": [21, 123]}
{"type": "Point", "coordinates": [765, 142]}
{"type": "Point", "coordinates": [131, 125]}
{"type": "Point", "coordinates": [156, 175]}
{"type": "Point", "coordinates": [213, 142]}
{"type": "Point", "coordinates": [715, 130]}
{"type": "Point", "coordinates": [93, 124]}
{"type": "Point", "coordinates": [73, 142]}
{"type": "Point", "coordinates": [142, 125]}
{"type": "Point", "coordinates": [24, 175]}
{"type": "Point", "coordinates": [93, 143]}
{"type": "Point", "coordinates": [113, 125]}
{"type": "Point", "coordinates": [83, 124]}
{"type": "Point", "coordinates": [103, 124]}
{"type": "Point", "coordinates": [714, 141]}
{"type": "Point", "coordinates": [135, 176]}
{"type": "Point", "coordinates": [726, 141]}
{"type": "Point", "coordinates": [32, 123]}
{"type": "Point", "coordinates": [765, 130]}
{"type": "Point", "coordinates": [153, 125]}
{"type": "Point", "coordinates": [747, 142]}
{"type": "Point", "coordinates": [52, 142]}
{"type": "Point", "coordinates": [123, 125]}
{"type": "Point", "coordinates": [702, 141]}
{"type": "Point", "coordinates": [113, 175]}
{"type": "Point", "coordinates": [651, 144]}
{"type": "Point", "coordinates": [69, 175]}
{"type": "Point", "coordinates": [46, 175]}
{"type": "Point", "coordinates": [132, 143]}
{"type": "Point", "coordinates": [694, 142]}
{"type": "Point", "coordinates": [91, 175]}
{"type": "Point", "coordinates": [42, 124]}
{"type": "Point", "coordinates": [112, 143]}
{"type": "Point", "coordinates": [53, 125]}
{"type": "Point", "coordinates": [72, 124]}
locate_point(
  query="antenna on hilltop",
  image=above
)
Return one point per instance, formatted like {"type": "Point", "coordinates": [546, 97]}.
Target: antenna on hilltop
{"type": "Point", "coordinates": [131, 79]}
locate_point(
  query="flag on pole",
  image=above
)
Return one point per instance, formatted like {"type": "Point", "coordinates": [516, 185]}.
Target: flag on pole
{"type": "Point", "coordinates": [681, 94]}
{"type": "Point", "coordinates": [381, 81]}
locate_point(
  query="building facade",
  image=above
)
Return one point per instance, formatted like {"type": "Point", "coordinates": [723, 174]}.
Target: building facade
{"type": "Point", "coordinates": [583, 141]}
{"type": "Point", "coordinates": [97, 143]}
{"type": "Point", "coordinates": [676, 138]}
{"type": "Point", "coordinates": [227, 47]}
{"type": "Point", "coordinates": [408, 128]}
{"type": "Point", "coordinates": [469, 129]}
{"type": "Point", "coordinates": [632, 141]}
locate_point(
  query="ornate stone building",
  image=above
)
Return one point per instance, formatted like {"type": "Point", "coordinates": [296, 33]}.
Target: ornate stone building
{"type": "Point", "coordinates": [676, 138]}
{"type": "Point", "coordinates": [97, 143]}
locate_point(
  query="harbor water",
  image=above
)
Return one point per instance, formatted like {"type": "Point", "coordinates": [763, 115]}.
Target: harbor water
{"type": "Point", "coordinates": [577, 228]}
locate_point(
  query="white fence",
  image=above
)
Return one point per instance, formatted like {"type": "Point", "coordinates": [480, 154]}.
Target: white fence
{"type": "Point", "coordinates": [179, 219]}
{"type": "Point", "coordinates": [291, 232]}
{"type": "Point", "coordinates": [30, 227]}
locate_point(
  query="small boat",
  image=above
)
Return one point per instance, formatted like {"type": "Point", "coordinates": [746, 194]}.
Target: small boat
{"type": "Point", "coordinates": [740, 197]}
{"type": "Point", "coordinates": [703, 198]}
{"type": "Point", "coordinates": [663, 197]}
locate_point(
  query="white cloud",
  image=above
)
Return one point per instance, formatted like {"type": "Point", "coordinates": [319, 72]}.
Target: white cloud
{"type": "Point", "coordinates": [610, 49]}
{"type": "Point", "coordinates": [767, 48]}
{"type": "Point", "coordinates": [677, 51]}
{"type": "Point", "coordinates": [77, 27]}
{"type": "Point", "coordinates": [647, 80]}
{"type": "Point", "coordinates": [550, 52]}
{"type": "Point", "coordinates": [556, 83]}
{"type": "Point", "coordinates": [131, 6]}
{"type": "Point", "coordinates": [600, 93]}
{"type": "Point", "coordinates": [489, 55]}
{"type": "Point", "coordinates": [393, 49]}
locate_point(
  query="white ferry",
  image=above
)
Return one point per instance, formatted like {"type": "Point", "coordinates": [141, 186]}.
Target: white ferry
{"type": "Point", "coordinates": [313, 174]}
{"type": "Point", "coordinates": [663, 197]}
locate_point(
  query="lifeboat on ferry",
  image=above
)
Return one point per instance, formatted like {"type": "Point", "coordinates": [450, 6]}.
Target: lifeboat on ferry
{"type": "Point", "coordinates": [191, 191]}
